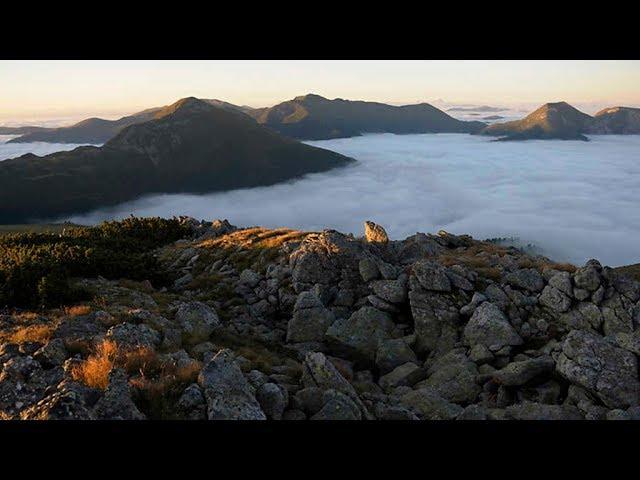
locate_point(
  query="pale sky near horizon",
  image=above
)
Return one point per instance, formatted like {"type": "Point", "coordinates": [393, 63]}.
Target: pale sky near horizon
{"type": "Point", "coordinates": [58, 90]}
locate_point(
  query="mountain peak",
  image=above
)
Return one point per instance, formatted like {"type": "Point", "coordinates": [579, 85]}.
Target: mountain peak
{"type": "Point", "coordinates": [310, 97]}
{"type": "Point", "coordinates": [184, 106]}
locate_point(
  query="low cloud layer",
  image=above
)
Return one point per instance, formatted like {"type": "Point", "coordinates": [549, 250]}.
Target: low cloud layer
{"type": "Point", "coordinates": [575, 200]}
{"type": "Point", "coordinates": [13, 150]}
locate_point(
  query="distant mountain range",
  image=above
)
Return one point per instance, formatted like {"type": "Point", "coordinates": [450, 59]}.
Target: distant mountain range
{"type": "Point", "coordinates": [312, 117]}
{"type": "Point", "coordinates": [308, 117]}
{"type": "Point", "coordinates": [482, 108]}
{"type": "Point", "coordinates": [562, 121]}
{"type": "Point", "coordinates": [95, 130]}
{"type": "Point", "coordinates": [190, 146]}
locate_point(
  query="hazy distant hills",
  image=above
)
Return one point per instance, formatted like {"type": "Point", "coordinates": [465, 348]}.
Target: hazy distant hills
{"type": "Point", "coordinates": [551, 121]}
{"type": "Point", "coordinates": [97, 130]}
{"type": "Point", "coordinates": [190, 146]}
{"type": "Point", "coordinates": [20, 130]}
{"type": "Point", "coordinates": [482, 108]}
{"type": "Point", "coordinates": [312, 117]}
{"type": "Point", "coordinates": [616, 120]}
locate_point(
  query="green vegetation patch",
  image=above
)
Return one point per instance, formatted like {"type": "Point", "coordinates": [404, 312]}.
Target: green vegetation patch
{"type": "Point", "coordinates": [35, 267]}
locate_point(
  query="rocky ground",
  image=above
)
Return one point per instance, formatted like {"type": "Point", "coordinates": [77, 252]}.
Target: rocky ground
{"type": "Point", "coordinates": [281, 324]}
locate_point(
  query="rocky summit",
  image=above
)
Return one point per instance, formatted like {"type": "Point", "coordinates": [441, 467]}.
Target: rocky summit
{"type": "Point", "coordinates": [279, 324]}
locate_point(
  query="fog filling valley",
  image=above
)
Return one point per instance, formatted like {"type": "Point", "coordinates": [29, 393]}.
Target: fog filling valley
{"type": "Point", "coordinates": [13, 150]}
{"type": "Point", "coordinates": [574, 200]}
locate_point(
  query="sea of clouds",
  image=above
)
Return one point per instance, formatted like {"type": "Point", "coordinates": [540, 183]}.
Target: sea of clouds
{"type": "Point", "coordinates": [575, 200]}
{"type": "Point", "coordinates": [13, 150]}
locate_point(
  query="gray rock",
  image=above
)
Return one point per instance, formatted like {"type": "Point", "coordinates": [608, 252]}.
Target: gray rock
{"type": "Point", "coordinates": [379, 304]}
{"type": "Point", "coordinates": [429, 405]}
{"type": "Point", "coordinates": [249, 278]}
{"type": "Point", "coordinates": [310, 320]}
{"type": "Point", "coordinates": [587, 278]}
{"type": "Point", "coordinates": [321, 373]}
{"type": "Point", "coordinates": [309, 400]}
{"type": "Point", "coordinates": [273, 399]}
{"type": "Point", "coordinates": [480, 354]}
{"type": "Point", "coordinates": [525, 279]}
{"type": "Point", "coordinates": [65, 403]}
{"type": "Point", "coordinates": [628, 341]}
{"type": "Point", "coordinates": [473, 412]}
{"type": "Point", "coordinates": [116, 403]}
{"type": "Point", "coordinates": [358, 337]}
{"type": "Point", "coordinates": [197, 322]}
{"type": "Point", "coordinates": [554, 299]}
{"type": "Point", "coordinates": [393, 353]}
{"type": "Point", "coordinates": [519, 373]}
{"type": "Point", "coordinates": [562, 282]}
{"type": "Point", "coordinates": [453, 377]}
{"type": "Point", "coordinates": [192, 405]}
{"type": "Point", "coordinates": [404, 375]}
{"type": "Point", "coordinates": [368, 269]}
{"type": "Point", "coordinates": [294, 415]}
{"type": "Point", "coordinates": [601, 367]}
{"type": "Point", "coordinates": [131, 335]}
{"type": "Point", "coordinates": [392, 291]}
{"type": "Point", "coordinates": [436, 320]}
{"type": "Point", "coordinates": [227, 392]}
{"type": "Point", "coordinates": [489, 326]}
{"type": "Point", "coordinates": [338, 406]}
{"type": "Point", "coordinates": [53, 354]}
{"type": "Point", "coordinates": [431, 276]}
{"type": "Point", "coordinates": [539, 411]}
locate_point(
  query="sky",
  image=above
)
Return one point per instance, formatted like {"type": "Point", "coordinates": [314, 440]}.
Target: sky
{"type": "Point", "coordinates": [60, 92]}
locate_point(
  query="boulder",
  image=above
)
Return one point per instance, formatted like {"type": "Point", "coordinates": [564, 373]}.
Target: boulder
{"type": "Point", "coordinates": [526, 279]}
{"type": "Point", "coordinates": [393, 353]}
{"type": "Point", "coordinates": [392, 291]}
{"type": "Point", "coordinates": [519, 373]}
{"type": "Point", "coordinates": [116, 403]}
{"type": "Point", "coordinates": [490, 327]}
{"type": "Point", "coordinates": [540, 411]}
{"type": "Point", "coordinates": [197, 321]}
{"type": "Point", "coordinates": [228, 394]}
{"type": "Point", "coordinates": [368, 269]}
{"type": "Point", "coordinates": [337, 406]}
{"type": "Point", "coordinates": [431, 276]}
{"type": "Point", "coordinates": [374, 233]}
{"type": "Point", "coordinates": [321, 373]}
{"type": "Point", "coordinates": [429, 405]}
{"type": "Point", "coordinates": [407, 374]}
{"type": "Point", "coordinates": [587, 278]}
{"type": "Point", "coordinates": [562, 281]}
{"type": "Point", "coordinates": [132, 335]}
{"type": "Point", "coordinates": [601, 367]}
{"type": "Point", "coordinates": [273, 399]}
{"type": "Point", "coordinates": [310, 320]}
{"type": "Point", "coordinates": [53, 354]}
{"type": "Point", "coordinates": [191, 405]}
{"type": "Point", "coordinates": [554, 299]}
{"type": "Point", "coordinates": [453, 377]}
{"type": "Point", "coordinates": [358, 337]}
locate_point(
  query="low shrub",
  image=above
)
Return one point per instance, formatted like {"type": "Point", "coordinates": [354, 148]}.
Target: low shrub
{"type": "Point", "coordinates": [35, 268]}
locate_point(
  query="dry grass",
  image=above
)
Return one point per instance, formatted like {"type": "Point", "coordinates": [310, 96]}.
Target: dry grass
{"type": "Point", "coordinates": [163, 390]}
{"type": "Point", "coordinates": [94, 371]}
{"type": "Point", "coordinates": [31, 333]}
{"type": "Point", "coordinates": [249, 248]}
{"type": "Point", "coordinates": [77, 310]}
